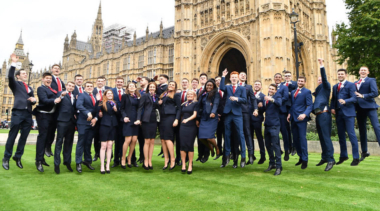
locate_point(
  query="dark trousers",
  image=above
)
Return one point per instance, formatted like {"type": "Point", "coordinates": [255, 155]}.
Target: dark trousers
{"type": "Point", "coordinates": [21, 120]}
{"type": "Point", "coordinates": [177, 144]}
{"type": "Point", "coordinates": [86, 133]}
{"type": "Point", "coordinates": [346, 123]}
{"type": "Point", "coordinates": [299, 136]}
{"type": "Point", "coordinates": [237, 120]}
{"type": "Point", "coordinates": [141, 140]}
{"type": "Point", "coordinates": [361, 116]}
{"type": "Point", "coordinates": [45, 124]}
{"type": "Point", "coordinates": [256, 127]}
{"type": "Point", "coordinates": [247, 132]}
{"type": "Point", "coordinates": [52, 129]}
{"type": "Point", "coordinates": [96, 138]}
{"type": "Point", "coordinates": [220, 135]}
{"type": "Point", "coordinates": [65, 136]}
{"type": "Point", "coordinates": [284, 131]}
{"type": "Point", "coordinates": [272, 143]}
{"type": "Point", "coordinates": [324, 122]}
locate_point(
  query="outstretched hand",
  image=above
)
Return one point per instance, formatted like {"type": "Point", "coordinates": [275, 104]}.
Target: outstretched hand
{"type": "Point", "coordinates": [225, 72]}
{"type": "Point", "coordinates": [14, 58]}
{"type": "Point", "coordinates": [321, 62]}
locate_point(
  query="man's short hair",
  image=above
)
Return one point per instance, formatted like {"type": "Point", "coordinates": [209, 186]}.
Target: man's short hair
{"type": "Point", "coordinates": [364, 67]}
{"type": "Point", "coordinates": [234, 73]}
{"type": "Point", "coordinates": [277, 74]}
{"type": "Point", "coordinates": [146, 78]}
{"type": "Point", "coordinates": [77, 75]}
{"type": "Point", "coordinates": [274, 85]}
{"type": "Point", "coordinates": [18, 72]}
{"type": "Point", "coordinates": [203, 74]}
{"type": "Point", "coordinates": [243, 72]}
{"type": "Point", "coordinates": [185, 79]}
{"type": "Point", "coordinates": [258, 81]}
{"type": "Point", "coordinates": [89, 82]}
{"type": "Point", "coordinates": [101, 77]}
{"type": "Point", "coordinates": [342, 70]}
{"type": "Point", "coordinates": [120, 77]}
{"type": "Point", "coordinates": [71, 82]}
{"type": "Point", "coordinates": [218, 77]}
{"type": "Point", "coordinates": [287, 72]}
{"type": "Point", "coordinates": [195, 79]}
{"type": "Point", "coordinates": [165, 76]}
{"type": "Point", "coordinates": [56, 65]}
{"type": "Point", "coordinates": [46, 74]}
{"type": "Point", "coordinates": [302, 77]}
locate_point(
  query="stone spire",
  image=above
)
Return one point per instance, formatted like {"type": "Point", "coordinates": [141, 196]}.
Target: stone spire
{"type": "Point", "coordinates": [66, 44]}
{"type": "Point", "coordinates": [161, 29]}
{"type": "Point", "coordinates": [134, 38]}
{"type": "Point", "coordinates": [99, 17]}
{"type": "Point", "coordinates": [20, 39]}
{"type": "Point", "coordinates": [147, 34]}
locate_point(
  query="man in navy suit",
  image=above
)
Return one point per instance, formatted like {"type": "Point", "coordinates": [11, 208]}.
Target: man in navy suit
{"type": "Point", "coordinates": [21, 119]}
{"type": "Point", "coordinates": [343, 107]}
{"type": "Point", "coordinates": [44, 112]}
{"type": "Point", "coordinates": [161, 88]}
{"type": "Point", "coordinates": [236, 96]}
{"type": "Point", "coordinates": [284, 92]}
{"type": "Point", "coordinates": [256, 121]}
{"type": "Point", "coordinates": [366, 107]}
{"type": "Point", "coordinates": [86, 122]}
{"type": "Point", "coordinates": [292, 85]}
{"type": "Point", "coordinates": [78, 79]}
{"type": "Point", "coordinates": [272, 125]}
{"type": "Point", "coordinates": [220, 133]}
{"type": "Point", "coordinates": [323, 118]}
{"type": "Point", "coordinates": [246, 109]}
{"type": "Point", "coordinates": [299, 114]}
{"type": "Point", "coordinates": [65, 128]}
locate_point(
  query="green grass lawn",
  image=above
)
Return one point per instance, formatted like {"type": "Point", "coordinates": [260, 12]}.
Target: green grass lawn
{"type": "Point", "coordinates": [208, 188]}
{"type": "Point", "coordinates": [7, 131]}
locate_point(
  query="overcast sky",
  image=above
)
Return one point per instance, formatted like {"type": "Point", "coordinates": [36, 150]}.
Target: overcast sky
{"type": "Point", "coordinates": [45, 23]}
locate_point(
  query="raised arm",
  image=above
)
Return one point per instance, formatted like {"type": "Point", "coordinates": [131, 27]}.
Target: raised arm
{"type": "Point", "coordinates": [325, 82]}
{"type": "Point", "coordinates": [222, 85]}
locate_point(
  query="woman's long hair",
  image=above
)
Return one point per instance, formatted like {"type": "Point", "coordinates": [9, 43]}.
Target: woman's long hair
{"type": "Point", "coordinates": [211, 94]}
{"type": "Point", "coordinates": [170, 94]}
{"type": "Point", "coordinates": [137, 93]}
{"type": "Point", "coordinates": [104, 101]}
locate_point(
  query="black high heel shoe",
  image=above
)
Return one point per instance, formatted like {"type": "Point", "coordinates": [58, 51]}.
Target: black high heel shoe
{"type": "Point", "coordinates": [129, 165]}
{"type": "Point", "coordinates": [171, 168]}
{"type": "Point", "coordinates": [145, 167]}
{"type": "Point", "coordinates": [183, 170]}
{"type": "Point", "coordinates": [123, 167]}
{"type": "Point", "coordinates": [189, 172]}
{"type": "Point", "coordinates": [108, 172]}
{"type": "Point", "coordinates": [165, 167]}
{"type": "Point", "coordinates": [102, 172]}
{"type": "Point", "coordinates": [151, 167]}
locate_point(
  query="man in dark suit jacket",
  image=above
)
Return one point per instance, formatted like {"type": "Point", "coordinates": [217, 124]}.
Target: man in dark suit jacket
{"type": "Point", "coordinates": [78, 79]}
{"type": "Point", "coordinates": [299, 114]}
{"type": "Point", "coordinates": [220, 133]}
{"type": "Point", "coordinates": [292, 85]}
{"type": "Point", "coordinates": [86, 121]}
{"type": "Point", "coordinates": [44, 112]}
{"type": "Point", "coordinates": [272, 125]}
{"type": "Point", "coordinates": [323, 120]}
{"type": "Point", "coordinates": [343, 106]}
{"type": "Point", "coordinates": [65, 127]}
{"type": "Point", "coordinates": [366, 107]}
{"type": "Point", "coordinates": [236, 96]}
{"type": "Point", "coordinates": [256, 121]}
{"type": "Point", "coordinates": [163, 80]}
{"type": "Point", "coordinates": [246, 109]}
{"type": "Point", "coordinates": [21, 119]}
{"type": "Point", "coordinates": [284, 92]}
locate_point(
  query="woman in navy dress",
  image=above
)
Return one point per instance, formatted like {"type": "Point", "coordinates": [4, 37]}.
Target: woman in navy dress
{"type": "Point", "coordinates": [208, 115]}
{"type": "Point", "coordinates": [129, 106]}
{"type": "Point", "coordinates": [107, 129]}
{"type": "Point", "coordinates": [188, 129]}
{"type": "Point", "coordinates": [148, 104]}
{"type": "Point", "coordinates": [170, 113]}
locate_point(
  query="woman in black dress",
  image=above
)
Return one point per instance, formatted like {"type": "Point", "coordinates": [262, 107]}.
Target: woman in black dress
{"type": "Point", "coordinates": [188, 129]}
{"type": "Point", "coordinates": [170, 112]}
{"type": "Point", "coordinates": [129, 106]}
{"type": "Point", "coordinates": [148, 104]}
{"type": "Point", "coordinates": [208, 115]}
{"type": "Point", "coordinates": [107, 130]}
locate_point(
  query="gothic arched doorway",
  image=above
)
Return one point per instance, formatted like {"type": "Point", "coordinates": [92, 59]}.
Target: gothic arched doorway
{"type": "Point", "coordinates": [233, 60]}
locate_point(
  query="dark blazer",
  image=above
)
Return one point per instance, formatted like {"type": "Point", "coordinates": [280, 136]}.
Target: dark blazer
{"type": "Point", "coordinates": [233, 106]}
{"type": "Point", "coordinates": [66, 109]}
{"type": "Point", "coordinates": [291, 86]}
{"type": "Point", "coordinates": [145, 107]}
{"type": "Point", "coordinates": [172, 106]}
{"type": "Point", "coordinates": [322, 94]}
{"type": "Point", "coordinates": [76, 90]}
{"type": "Point", "coordinates": [109, 117]}
{"type": "Point", "coordinates": [211, 105]}
{"type": "Point", "coordinates": [284, 92]}
{"type": "Point", "coordinates": [54, 84]}
{"type": "Point", "coordinates": [260, 117]}
{"type": "Point", "coordinates": [161, 89]}
{"type": "Point", "coordinates": [222, 103]}
{"type": "Point", "coordinates": [85, 106]}
{"type": "Point", "coordinates": [126, 105]}
{"type": "Point", "coordinates": [369, 90]}
{"type": "Point", "coordinates": [251, 99]}
{"type": "Point", "coordinates": [302, 104]}
{"type": "Point", "coordinates": [347, 93]}
{"type": "Point", "coordinates": [45, 99]}
{"type": "Point", "coordinates": [19, 92]}
{"type": "Point", "coordinates": [272, 111]}
{"type": "Point", "coordinates": [116, 97]}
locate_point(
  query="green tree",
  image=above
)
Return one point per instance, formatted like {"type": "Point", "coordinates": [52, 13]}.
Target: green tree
{"type": "Point", "coordinates": [359, 42]}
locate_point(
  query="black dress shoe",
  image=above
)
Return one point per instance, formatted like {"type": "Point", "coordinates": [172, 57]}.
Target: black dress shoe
{"type": "Point", "coordinates": [39, 166]}
{"type": "Point", "coordinates": [163, 156]}
{"type": "Point", "coordinates": [56, 169]}
{"type": "Point", "coordinates": [250, 159]}
{"type": "Point", "coordinates": [294, 151]}
{"type": "Point", "coordinates": [236, 159]}
{"type": "Point", "coordinates": [79, 167]}
{"type": "Point", "coordinates": [5, 164]}
{"type": "Point", "coordinates": [171, 168]}
{"type": "Point", "coordinates": [165, 167]}
{"type": "Point", "coordinates": [161, 153]}
{"type": "Point", "coordinates": [304, 165]}
{"type": "Point", "coordinates": [129, 165]}
{"type": "Point", "coordinates": [47, 152]}
{"type": "Point", "coordinates": [204, 159]}
{"type": "Point", "coordinates": [123, 167]}
{"type": "Point", "coordinates": [50, 152]}
{"type": "Point", "coordinates": [355, 162]}
{"type": "Point", "coordinates": [198, 159]}
{"type": "Point", "coordinates": [183, 170]}
{"type": "Point", "coordinates": [96, 156]}
{"type": "Point", "coordinates": [44, 163]}
{"type": "Point", "coordinates": [224, 162]}
{"type": "Point", "coordinates": [278, 171]}
{"type": "Point", "coordinates": [364, 155]}
{"type": "Point", "coordinates": [262, 160]}
{"type": "Point", "coordinates": [330, 165]}
{"type": "Point", "coordinates": [145, 167]}
{"type": "Point", "coordinates": [88, 166]}
{"type": "Point", "coordinates": [217, 157]}
{"type": "Point", "coordinates": [134, 164]}
{"type": "Point", "coordinates": [286, 157]}
{"type": "Point", "coordinates": [254, 157]}
{"type": "Point", "coordinates": [68, 166]}
{"type": "Point", "coordinates": [341, 160]}
{"type": "Point", "coordinates": [299, 162]}
{"type": "Point", "coordinates": [18, 162]}
{"type": "Point", "coordinates": [270, 167]}
{"type": "Point", "coordinates": [321, 162]}
{"type": "Point", "coordinates": [242, 162]}
{"type": "Point", "coordinates": [115, 164]}
{"type": "Point", "coordinates": [102, 172]}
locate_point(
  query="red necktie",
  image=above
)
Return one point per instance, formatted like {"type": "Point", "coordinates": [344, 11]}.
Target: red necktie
{"type": "Point", "coordinates": [80, 90]}
{"type": "Point", "coordinates": [287, 84]}
{"type": "Point", "coordinates": [55, 92]}
{"type": "Point", "coordinates": [233, 89]}
{"type": "Point", "coordinates": [26, 87]}
{"type": "Point", "coordinates": [295, 95]}
{"type": "Point", "coordinates": [220, 93]}
{"type": "Point", "coordinates": [266, 102]}
{"type": "Point", "coordinates": [59, 84]}
{"type": "Point", "coordinates": [255, 93]}
{"type": "Point", "coordinates": [241, 84]}
{"type": "Point", "coordinates": [183, 97]}
{"type": "Point", "coordinates": [101, 96]}
{"type": "Point", "coordinates": [358, 83]}
{"type": "Point", "coordinates": [70, 95]}
{"type": "Point", "coordinates": [120, 95]}
{"type": "Point", "coordinates": [93, 99]}
{"type": "Point", "coordinates": [340, 84]}
{"type": "Point", "coordinates": [200, 89]}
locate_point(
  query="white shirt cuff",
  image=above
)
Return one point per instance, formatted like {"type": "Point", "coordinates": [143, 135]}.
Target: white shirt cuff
{"type": "Point", "coordinates": [14, 64]}
{"type": "Point", "coordinates": [322, 66]}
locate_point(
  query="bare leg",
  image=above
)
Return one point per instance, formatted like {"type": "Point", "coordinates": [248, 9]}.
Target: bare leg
{"type": "Point", "coordinates": [132, 148]}
{"type": "Point", "coordinates": [191, 156]}
{"type": "Point", "coordinates": [214, 145]}
{"type": "Point", "coordinates": [183, 157]}
{"type": "Point", "coordinates": [165, 150]}
{"type": "Point", "coordinates": [126, 145]}
{"type": "Point", "coordinates": [151, 148]}
{"type": "Point", "coordinates": [102, 154]}
{"type": "Point", "coordinates": [109, 152]}
{"type": "Point", "coordinates": [170, 148]}
{"type": "Point", "coordinates": [146, 152]}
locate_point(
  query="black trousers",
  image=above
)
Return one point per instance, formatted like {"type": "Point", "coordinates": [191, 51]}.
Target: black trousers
{"type": "Point", "coordinates": [52, 129]}
{"type": "Point", "coordinates": [141, 140]}
{"type": "Point", "coordinates": [177, 144]}
{"type": "Point", "coordinates": [220, 134]}
{"type": "Point", "coordinates": [96, 138]}
{"type": "Point", "coordinates": [45, 125]}
{"type": "Point", "coordinates": [256, 127]}
{"type": "Point", "coordinates": [85, 135]}
{"type": "Point", "coordinates": [65, 137]}
{"type": "Point", "coordinates": [21, 120]}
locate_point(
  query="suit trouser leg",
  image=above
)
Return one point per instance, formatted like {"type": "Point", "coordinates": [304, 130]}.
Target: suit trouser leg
{"type": "Point", "coordinates": [362, 124]}
{"type": "Point", "coordinates": [141, 143]}
{"type": "Point", "coordinates": [350, 128]}
{"type": "Point", "coordinates": [119, 142]}
{"type": "Point", "coordinates": [296, 138]}
{"type": "Point", "coordinates": [177, 144]}
{"type": "Point", "coordinates": [61, 131]}
{"type": "Point", "coordinates": [372, 114]}
{"type": "Point", "coordinates": [247, 132]}
{"type": "Point", "coordinates": [238, 121]}
{"type": "Point", "coordinates": [88, 142]}
{"type": "Point", "coordinates": [220, 134]}
{"type": "Point", "coordinates": [324, 125]}
{"type": "Point", "coordinates": [68, 144]}
{"type": "Point", "coordinates": [275, 139]}
{"type": "Point", "coordinates": [26, 126]}
{"type": "Point", "coordinates": [227, 138]}
{"type": "Point", "coordinates": [15, 127]}
{"type": "Point", "coordinates": [96, 139]}
{"type": "Point", "coordinates": [341, 126]}
{"type": "Point", "coordinates": [268, 144]}
{"type": "Point", "coordinates": [289, 134]}
{"type": "Point", "coordinates": [235, 141]}
{"type": "Point", "coordinates": [53, 128]}
{"type": "Point", "coordinates": [257, 127]}
{"type": "Point", "coordinates": [284, 131]}
{"type": "Point", "coordinates": [80, 144]}
{"type": "Point", "coordinates": [302, 126]}
{"type": "Point", "coordinates": [44, 128]}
